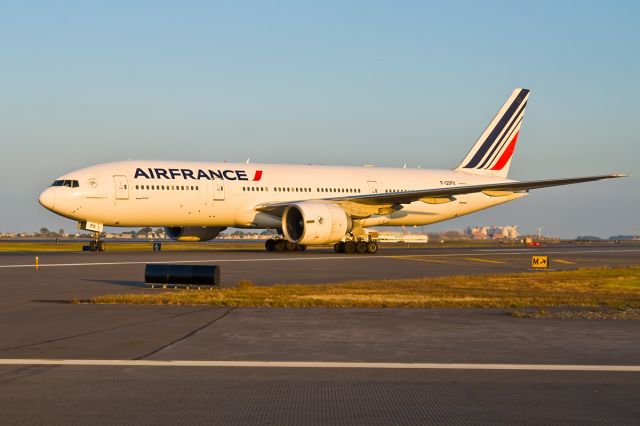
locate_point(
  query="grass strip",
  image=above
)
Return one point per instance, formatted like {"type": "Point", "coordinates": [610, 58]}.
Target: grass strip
{"type": "Point", "coordinates": [617, 288]}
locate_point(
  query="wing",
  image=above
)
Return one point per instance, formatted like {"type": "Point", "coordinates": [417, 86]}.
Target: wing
{"type": "Point", "coordinates": [439, 195]}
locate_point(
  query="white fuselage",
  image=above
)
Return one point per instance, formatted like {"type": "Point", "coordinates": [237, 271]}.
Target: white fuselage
{"type": "Point", "coordinates": [169, 193]}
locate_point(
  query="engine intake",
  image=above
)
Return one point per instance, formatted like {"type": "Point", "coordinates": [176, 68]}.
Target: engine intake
{"type": "Point", "coordinates": [315, 223]}
{"type": "Point", "coordinates": [193, 233]}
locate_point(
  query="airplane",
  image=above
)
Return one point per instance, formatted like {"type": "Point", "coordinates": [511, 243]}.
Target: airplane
{"type": "Point", "coordinates": [308, 205]}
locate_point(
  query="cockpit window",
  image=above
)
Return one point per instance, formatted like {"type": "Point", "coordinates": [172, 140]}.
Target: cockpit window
{"type": "Point", "coordinates": [69, 183]}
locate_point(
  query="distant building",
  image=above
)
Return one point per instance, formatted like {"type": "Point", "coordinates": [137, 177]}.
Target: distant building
{"type": "Point", "coordinates": [492, 232]}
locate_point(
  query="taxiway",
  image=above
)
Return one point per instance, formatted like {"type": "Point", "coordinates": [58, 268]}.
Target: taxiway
{"type": "Point", "coordinates": [111, 364]}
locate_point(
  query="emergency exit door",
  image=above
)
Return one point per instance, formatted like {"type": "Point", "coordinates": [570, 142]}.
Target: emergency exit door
{"type": "Point", "coordinates": [122, 187]}
{"type": "Point", "coordinates": [373, 186]}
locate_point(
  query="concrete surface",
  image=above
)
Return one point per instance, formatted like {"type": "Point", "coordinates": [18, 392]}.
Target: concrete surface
{"type": "Point", "coordinates": [35, 322]}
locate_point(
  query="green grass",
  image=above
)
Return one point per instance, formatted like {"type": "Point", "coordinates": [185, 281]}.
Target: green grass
{"type": "Point", "coordinates": [617, 288]}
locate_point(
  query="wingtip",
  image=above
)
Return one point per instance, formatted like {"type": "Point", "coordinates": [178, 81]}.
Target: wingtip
{"type": "Point", "coordinates": [619, 175]}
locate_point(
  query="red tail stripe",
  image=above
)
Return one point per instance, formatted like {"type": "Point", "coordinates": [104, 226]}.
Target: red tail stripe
{"type": "Point", "coordinates": [258, 175]}
{"type": "Point", "coordinates": [506, 155]}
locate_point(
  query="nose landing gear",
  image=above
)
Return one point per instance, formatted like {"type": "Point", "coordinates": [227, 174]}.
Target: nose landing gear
{"type": "Point", "coordinates": [96, 244]}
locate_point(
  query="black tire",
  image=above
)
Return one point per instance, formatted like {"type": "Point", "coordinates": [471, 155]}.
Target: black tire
{"type": "Point", "coordinates": [302, 247]}
{"type": "Point", "coordinates": [270, 244]}
{"type": "Point", "coordinates": [93, 246]}
{"type": "Point", "coordinates": [281, 245]}
{"type": "Point", "coordinates": [292, 246]}
{"type": "Point", "coordinates": [350, 247]}
{"type": "Point", "coordinates": [361, 247]}
{"type": "Point", "coordinates": [100, 246]}
{"type": "Point", "coordinates": [335, 248]}
{"type": "Point", "coordinates": [372, 247]}
{"type": "Point", "coordinates": [340, 247]}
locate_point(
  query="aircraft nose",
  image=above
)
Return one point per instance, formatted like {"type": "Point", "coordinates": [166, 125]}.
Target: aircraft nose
{"type": "Point", "coordinates": [47, 198]}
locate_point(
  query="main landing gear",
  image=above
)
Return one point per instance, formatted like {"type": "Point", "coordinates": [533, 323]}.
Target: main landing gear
{"type": "Point", "coordinates": [280, 245]}
{"type": "Point", "coordinates": [360, 247]}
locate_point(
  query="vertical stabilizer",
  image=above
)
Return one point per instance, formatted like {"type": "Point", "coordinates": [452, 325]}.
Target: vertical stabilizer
{"type": "Point", "coordinates": [492, 153]}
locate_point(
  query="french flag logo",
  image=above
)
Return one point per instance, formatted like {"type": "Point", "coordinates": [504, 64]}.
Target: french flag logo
{"type": "Point", "coordinates": [257, 176]}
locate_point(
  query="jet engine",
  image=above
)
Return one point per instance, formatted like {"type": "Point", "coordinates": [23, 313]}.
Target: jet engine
{"type": "Point", "coordinates": [315, 223]}
{"type": "Point", "coordinates": [193, 233]}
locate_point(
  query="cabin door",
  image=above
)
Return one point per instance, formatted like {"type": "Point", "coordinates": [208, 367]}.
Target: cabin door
{"type": "Point", "coordinates": [373, 186]}
{"type": "Point", "coordinates": [122, 187]}
{"type": "Point", "coordinates": [462, 198]}
{"type": "Point", "coordinates": [218, 190]}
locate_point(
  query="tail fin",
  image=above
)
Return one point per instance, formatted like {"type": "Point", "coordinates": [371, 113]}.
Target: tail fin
{"type": "Point", "coordinates": [491, 154]}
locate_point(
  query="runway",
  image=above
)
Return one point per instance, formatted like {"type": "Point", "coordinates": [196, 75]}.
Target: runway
{"type": "Point", "coordinates": [69, 364]}
{"type": "Point", "coordinates": [312, 266]}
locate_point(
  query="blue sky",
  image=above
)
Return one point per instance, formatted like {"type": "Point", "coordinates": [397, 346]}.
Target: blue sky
{"type": "Point", "coordinates": [344, 83]}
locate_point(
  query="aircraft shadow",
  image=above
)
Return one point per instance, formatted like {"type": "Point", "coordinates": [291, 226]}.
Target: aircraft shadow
{"type": "Point", "coordinates": [126, 283]}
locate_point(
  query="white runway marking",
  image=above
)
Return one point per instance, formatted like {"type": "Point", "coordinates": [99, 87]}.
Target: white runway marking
{"type": "Point", "coordinates": [318, 364]}
{"type": "Point", "coordinates": [301, 258]}
{"type": "Point", "coordinates": [277, 259]}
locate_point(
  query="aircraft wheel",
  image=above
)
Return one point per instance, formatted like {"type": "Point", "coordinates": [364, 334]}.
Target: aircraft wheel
{"type": "Point", "coordinates": [292, 246]}
{"type": "Point", "coordinates": [100, 246]}
{"type": "Point", "coordinates": [372, 247]}
{"type": "Point", "coordinates": [270, 244]}
{"type": "Point", "coordinates": [339, 247]}
{"type": "Point", "coordinates": [361, 247]}
{"type": "Point", "coordinates": [93, 246]}
{"type": "Point", "coordinates": [281, 245]}
{"type": "Point", "coordinates": [349, 247]}
{"type": "Point", "coordinates": [302, 247]}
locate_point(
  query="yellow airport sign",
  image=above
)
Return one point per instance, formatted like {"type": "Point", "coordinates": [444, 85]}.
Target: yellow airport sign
{"type": "Point", "coordinates": [540, 262]}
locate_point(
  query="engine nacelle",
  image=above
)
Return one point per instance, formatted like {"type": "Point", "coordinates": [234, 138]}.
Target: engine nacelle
{"type": "Point", "coordinates": [193, 233]}
{"type": "Point", "coordinates": [315, 223]}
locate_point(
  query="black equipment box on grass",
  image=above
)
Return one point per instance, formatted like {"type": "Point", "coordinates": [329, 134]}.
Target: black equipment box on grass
{"type": "Point", "coordinates": [181, 276]}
